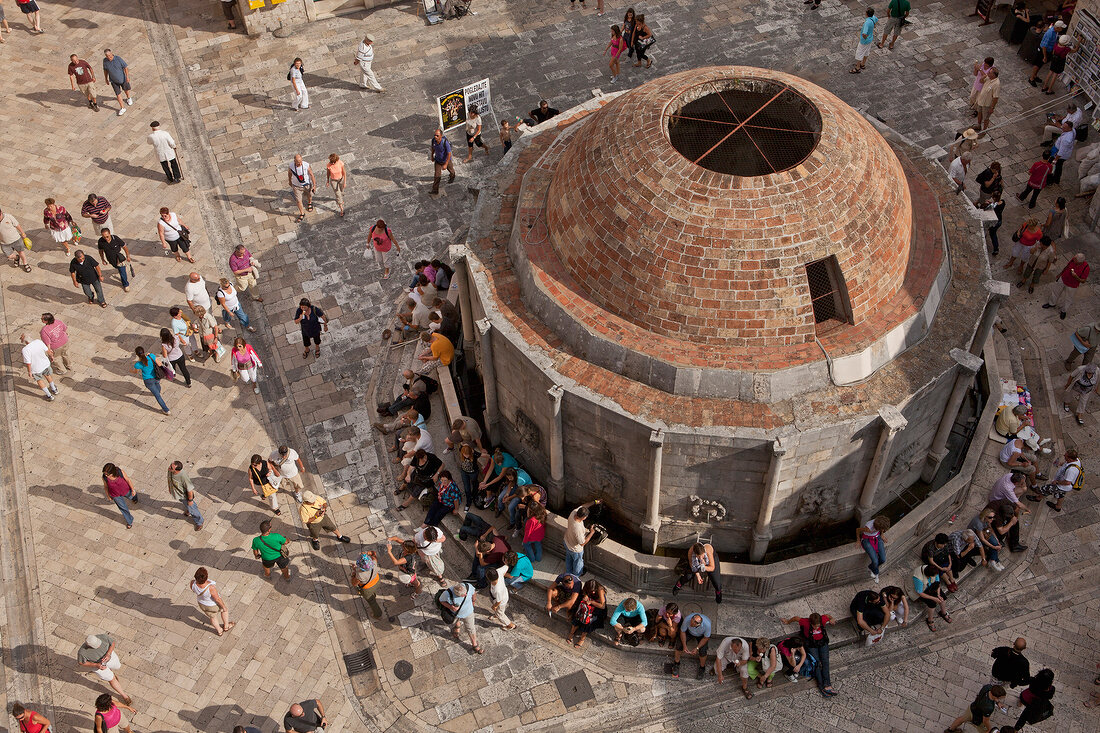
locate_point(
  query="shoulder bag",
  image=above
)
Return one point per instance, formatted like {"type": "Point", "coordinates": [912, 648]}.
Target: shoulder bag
{"type": "Point", "coordinates": [282, 550]}
{"type": "Point", "coordinates": [265, 487]}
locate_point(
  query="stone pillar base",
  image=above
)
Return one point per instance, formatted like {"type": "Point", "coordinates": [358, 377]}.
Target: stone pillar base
{"type": "Point", "coordinates": [932, 465]}
{"type": "Point", "coordinates": [649, 537]}
{"type": "Point", "coordinates": [759, 547]}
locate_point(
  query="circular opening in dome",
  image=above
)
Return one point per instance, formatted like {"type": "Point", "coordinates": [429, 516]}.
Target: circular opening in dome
{"type": "Point", "coordinates": [744, 127]}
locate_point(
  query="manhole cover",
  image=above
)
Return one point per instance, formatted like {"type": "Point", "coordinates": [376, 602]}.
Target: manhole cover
{"type": "Point", "coordinates": [574, 689]}
{"type": "Point", "coordinates": [359, 662]}
{"type": "Point", "coordinates": [403, 670]}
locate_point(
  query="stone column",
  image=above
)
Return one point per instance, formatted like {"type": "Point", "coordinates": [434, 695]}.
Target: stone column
{"type": "Point", "coordinates": [998, 293]}
{"type": "Point", "coordinates": [969, 364]}
{"type": "Point", "coordinates": [651, 527]}
{"type": "Point", "coordinates": [465, 307]}
{"type": "Point", "coordinates": [489, 380]}
{"type": "Point", "coordinates": [762, 534]}
{"type": "Point", "coordinates": [892, 423]}
{"type": "Point", "coordinates": [557, 447]}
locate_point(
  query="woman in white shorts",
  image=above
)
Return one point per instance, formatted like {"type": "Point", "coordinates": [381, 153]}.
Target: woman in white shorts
{"type": "Point", "coordinates": [381, 240]}
{"type": "Point", "coordinates": [59, 222]}
{"type": "Point", "coordinates": [210, 602]}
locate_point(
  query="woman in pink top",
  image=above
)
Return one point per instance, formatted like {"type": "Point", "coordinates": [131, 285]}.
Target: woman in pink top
{"type": "Point", "coordinates": [60, 223]}
{"type": "Point", "coordinates": [117, 486]}
{"type": "Point", "coordinates": [616, 45]}
{"type": "Point", "coordinates": [381, 241]}
{"type": "Point", "coordinates": [244, 360]}
{"type": "Point", "coordinates": [108, 716]}
{"type": "Point", "coordinates": [337, 178]}
{"type": "Point", "coordinates": [534, 531]}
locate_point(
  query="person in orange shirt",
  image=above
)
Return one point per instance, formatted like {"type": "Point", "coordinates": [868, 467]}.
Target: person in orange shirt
{"type": "Point", "coordinates": [440, 352]}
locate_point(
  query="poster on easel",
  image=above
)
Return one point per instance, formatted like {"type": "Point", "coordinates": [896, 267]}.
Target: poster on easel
{"type": "Point", "coordinates": [451, 108]}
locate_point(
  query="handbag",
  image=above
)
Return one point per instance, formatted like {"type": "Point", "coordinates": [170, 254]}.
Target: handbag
{"type": "Point", "coordinates": [282, 550]}
{"type": "Point", "coordinates": [159, 372]}
{"type": "Point", "coordinates": [445, 613]}
{"type": "Point", "coordinates": [265, 486]}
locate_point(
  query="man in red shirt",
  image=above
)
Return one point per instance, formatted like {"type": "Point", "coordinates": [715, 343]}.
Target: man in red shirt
{"type": "Point", "coordinates": [1065, 286]}
{"type": "Point", "coordinates": [81, 76]}
{"type": "Point", "coordinates": [1037, 179]}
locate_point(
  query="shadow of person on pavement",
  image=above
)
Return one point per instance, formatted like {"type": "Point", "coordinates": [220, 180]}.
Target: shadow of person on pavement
{"type": "Point", "coordinates": [150, 315]}
{"type": "Point", "coordinates": [407, 131]}
{"type": "Point", "coordinates": [273, 202]}
{"type": "Point", "coordinates": [55, 98]}
{"type": "Point", "coordinates": [49, 293]}
{"type": "Point", "coordinates": [225, 717]}
{"type": "Point", "coordinates": [90, 499]}
{"type": "Point", "coordinates": [115, 391]}
{"type": "Point", "coordinates": [126, 168]}
{"type": "Point", "coordinates": [149, 605]}
{"type": "Point", "coordinates": [62, 669]}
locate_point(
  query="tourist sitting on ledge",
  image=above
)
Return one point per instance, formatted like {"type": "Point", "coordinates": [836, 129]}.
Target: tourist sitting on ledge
{"type": "Point", "coordinates": [868, 610]}
{"type": "Point", "coordinates": [589, 612]}
{"type": "Point", "coordinates": [541, 114]}
{"type": "Point", "coordinates": [965, 550]}
{"type": "Point", "coordinates": [663, 626]}
{"type": "Point", "coordinates": [1009, 422]}
{"type": "Point", "coordinates": [629, 622]}
{"type": "Point", "coordinates": [926, 581]}
{"type": "Point", "coordinates": [562, 595]}
{"type": "Point", "coordinates": [897, 605]}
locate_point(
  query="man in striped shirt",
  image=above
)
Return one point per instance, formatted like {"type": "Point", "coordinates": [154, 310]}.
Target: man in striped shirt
{"type": "Point", "coordinates": [98, 209]}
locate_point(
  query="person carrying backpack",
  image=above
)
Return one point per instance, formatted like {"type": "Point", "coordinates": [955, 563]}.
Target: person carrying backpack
{"type": "Point", "coordinates": [1069, 477]}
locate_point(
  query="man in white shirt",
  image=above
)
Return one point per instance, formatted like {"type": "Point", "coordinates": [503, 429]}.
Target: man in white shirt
{"type": "Point", "coordinates": [734, 651]}
{"type": "Point", "coordinates": [36, 355]}
{"type": "Point", "coordinates": [498, 594]}
{"type": "Point", "coordinates": [195, 292]}
{"type": "Point", "coordinates": [1063, 150]}
{"type": "Point", "coordinates": [288, 466]}
{"type": "Point", "coordinates": [429, 545]}
{"type": "Point", "coordinates": [576, 537]}
{"type": "Point", "coordinates": [416, 438]}
{"type": "Point", "coordinates": [364, 57]}
{"type": "Point", "coordinates": [1068, 475]}
{"type": "Point", "coordinates": [1074, 116]}
{"type": "Point", "coordinates": [165, 148]}
{"type": "Point", "coordinates": [957, 171]}
{"type": "Point", "coordinates": [302, 183]}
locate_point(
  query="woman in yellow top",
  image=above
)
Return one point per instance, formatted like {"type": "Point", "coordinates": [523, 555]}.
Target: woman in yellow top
{"type": "Point", "coordinates": [337, 178]}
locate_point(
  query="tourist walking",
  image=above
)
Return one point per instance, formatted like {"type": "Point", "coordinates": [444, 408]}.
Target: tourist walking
{"type": "Point", "coordinates": [116, 72]}
{"type": "Point", "coordinates": [441, 156]}
{"type": "Point", "coordinates": [289, 468]}
{"type": "Point", "coordinates": [14, 241]}
{"type": "Point", "coordinates": [180, 325]}
{"type": "Point", "coordinates": [986, 702]}
{"type": "Point", "coordinates": [499, 596]}
{"type": "Point", "coordinates": [1084, 341]}
{"type": "Point", "coordinates": [1055, 225]}
{"type": "Point", "coordinates": [694, 636]}
{"type": "Point", "coordinates": [981, 76]}
{"type": "Point", "coordinates": [337, 174]}
{"type": "Point", "coordinates": [643, 40]}
{"type": "Point", "coordinates": [263, 482]}
{"type": "Point", "coordinates": [301, 94]}
{"type": "Point", "coordinates": [302, 183]}
{"type": "Point", "coordinates": [147, 365]}
{"type": "Point", "coordinates": [165, 148]}
{"type": "Point", "coordinates": [459, 599]}
{"type": "Point", "coordinates": [229, 300]}
{"type": "Point", "coordinates": [429, 545]}
{"type": "Point", "coordinates": [1041, 258]}
{"type": "Point", "coordinates": [872, 538]}
{"type": "Point", "coordinates": [506, 135]}
{"type": "Point", "coordinates": [306, 716]}
{"type": "Point", "coordinates": [896, 13]}
{"type": "Point", "coordinates": [227, 11]}
{"type": "Point", "coordinates": [380, 239]}
{"type": "Point", "coordinates": [313, 512]}
{"type": "Point", "coordinates": [98, 209]}
{"type": "Point", "coordinates": [209, 332]}
{"type": "Point", "coordinates": [628, 33]}
{"type": "Point", "coordinates": [36, 355]}
{"type": "Point", "coordinates": [311, 319]}
{"type": "Point", "coordinates": [30, 9]}
{"type": "Point", "coordinates": [29, 720]}
{"type": "Point", "coordinates": [245, 269]}
{"type": "Point", "coordinates": [616, 46]}
{"type": "Point", "coordinates": [87, 276]}
{"type": "Point", "coordinates": [702, 560]}
{"type": "Point", "coordinates": [1080, 384]}
{"type": "Point", "coordinates": [364, 59]}
{"type": "Point", "coordinates": [1067, 478]}
{"type": "Point", "coordinates": [210, 601]}
{"type": "Point", "coordinates": [866, 39]}
{"type": "Point", "coordinates": [55, 335]}
{"type": "Point", "coordinates": [473, 132]}
{"type": "Point", "coordinates": [1037, 179]}
{"type": "Point", "coordinates": [183, 491]}
{"type": "Point", "coordinates": [1066, 284]}
{"type": "Point", "coordinates": [81, 77]}
{"type": "Point", "coordinates": [365, 578]}
{"type": "Point", "coordinates": [245, 363]}
{"type": "Point", "coordinates": [408, 565]}
{"type": "Point", "coordinates": [815, 639]}
{"type": "Point", "coordinates": [119, 489]}
{"type": "Point", "coordinates": [174, 234]}
{"type": "Point", "coordinates": [1023, 240]}
{"type": "Point", "coordinates": [109, 717]}
{"type": "Point", "coordinates": [111, 249]}
{"type": "Point", "coordinates": [171, 348]}
{"type": "Point", "coordinates": [270, 549]}
{"type": "Point", "coordinates": [98, 653]}
{"type": "Point", "coordinates": [60, 223]}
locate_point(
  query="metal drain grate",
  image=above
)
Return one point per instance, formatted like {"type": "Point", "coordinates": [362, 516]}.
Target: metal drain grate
{"type": "Point", "coordinates": [574, 689]}
{"type": "Point", "coordinates": [403, 670]}
{"type": "Point", "coordinates": [359, 662]}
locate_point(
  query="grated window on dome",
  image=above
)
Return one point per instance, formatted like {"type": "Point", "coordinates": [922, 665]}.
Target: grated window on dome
{"type": "Point", "coordinates": [828, 294]}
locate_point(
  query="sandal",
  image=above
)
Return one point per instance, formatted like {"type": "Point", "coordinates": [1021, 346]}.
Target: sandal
{"type": "Point", "coordinates": [26, 268]}
{"type": "Point", "coordinates": [230, 625]}
{"type": "Point", "coordinates": [305, 354]}
{"type": "Point", "coordinates": [479, 650]}
{"type": "Point", "coordinates": [1080, 421]}
{"type": "Point", "coordinates": [309, 208]}
{"type": "Point", "coordinates": [931, 624]}
{"type": "Point", "coordinates": [299, 218]}
{"type": "Point", "coordinates": [945, 616]}
{"type": "Point", "coordinates": [853, 71]}
{"type": "Point", "coordinates": [747, 694]}
{"type": "Point", "coordinates": [317, 351]}
{"type": "Point", "coordinates": [454, 633]}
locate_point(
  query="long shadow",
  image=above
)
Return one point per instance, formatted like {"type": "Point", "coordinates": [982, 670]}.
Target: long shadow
{"type": "Point", "coordinates": [262, 101]}
{"type": "Point", "coordinates": [147, 314]}
{"type": "Point", "coordinates": [55, 98]}
{"type": "Point", "coordinates": [402, 130]}
{"type": "Point", "coordinates": [65, 670]}
{"type": "Point", "coordinates": [149, 605]}
{"type": "Point", "coordinates": [330, 82]}
{"type": "Point", "coordinates": [225, 717]}
{"type": "Point", "coordinates": [79, 23]}
{"type": "Point", "coordinates": [247, 521]}
{"type": "Point", "coordinates": [115, 391]}
{"type": "Point", "coordinates": [128, 169]}
{"type": "Point", "coordinates": [220, 560]}
{"type": "Point", "coordinates": [90, 499]}
{"type": "Point", "coordinates": [266, 199]}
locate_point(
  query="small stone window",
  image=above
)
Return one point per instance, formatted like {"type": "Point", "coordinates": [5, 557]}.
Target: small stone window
{"type": "Point", "coordinates": [828, 294]}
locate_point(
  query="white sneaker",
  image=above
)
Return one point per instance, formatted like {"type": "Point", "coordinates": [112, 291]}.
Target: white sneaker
{"type": "Point", "coordinates": [996, 565]}
{"type": "Point", "coordinates": [874, 577]}
{"type": "Point", "coordinates": [298, 496]}
{"type": "Point", "coordinates": [53, 388]}
{"type": "Point", "coordinates": [122, 111]}
{"type": "Point", "coordinates": [792, 677]}
{"type": "Point", "coordinates": [129, 101]}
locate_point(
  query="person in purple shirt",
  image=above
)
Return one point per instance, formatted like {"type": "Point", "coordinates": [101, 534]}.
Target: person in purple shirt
{"type": "Point", "coordinates": [244, 271]}
{"type": "Point", "coordinates": [1005, 488]}
{"type": "Point", "coordinates": [441, 156]}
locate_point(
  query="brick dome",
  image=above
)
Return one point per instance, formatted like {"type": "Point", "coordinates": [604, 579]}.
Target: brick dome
{"type": "Point", "coordinates": [691, 206]}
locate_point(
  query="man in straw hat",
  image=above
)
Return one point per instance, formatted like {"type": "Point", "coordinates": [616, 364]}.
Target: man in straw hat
{"type": "Point", "coordinates": [314, 514]}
